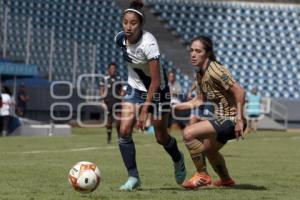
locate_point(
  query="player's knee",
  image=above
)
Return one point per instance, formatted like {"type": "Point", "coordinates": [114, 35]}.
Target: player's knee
{"type": "Point", "coordinates": [161, 139]}
{"type": "Point", "coordinates": [187, 136]}
{"type": "Point", "coordinates": [109, 126]}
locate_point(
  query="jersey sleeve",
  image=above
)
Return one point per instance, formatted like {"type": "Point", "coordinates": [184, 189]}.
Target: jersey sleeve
{"type": "Point", "coordinates": [119, 38]}
{"type": "Point", "coordinates": [225, 78]}
{"type": "Point", "coordinates": [103, 81]}
{"type": "Point", "coordinates": [151, 49]}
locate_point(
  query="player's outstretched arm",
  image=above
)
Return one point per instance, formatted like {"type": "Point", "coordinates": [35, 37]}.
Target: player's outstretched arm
{"type": "Point", "coordinates": [195, 102]}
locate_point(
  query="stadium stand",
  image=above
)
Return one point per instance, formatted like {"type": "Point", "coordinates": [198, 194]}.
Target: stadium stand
{"type": "Point", "coordinates": [88, 23]}
{"type": "Point", "coordinates": [258, 42]}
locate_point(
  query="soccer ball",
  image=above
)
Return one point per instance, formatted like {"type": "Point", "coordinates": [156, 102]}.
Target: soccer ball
{"type": "Point", "coordinates": [84, 177]}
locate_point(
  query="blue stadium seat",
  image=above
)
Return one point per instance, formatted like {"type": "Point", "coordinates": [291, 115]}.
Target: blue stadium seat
{"type": "Point", "coordinates": [255, 37]}
{"type": "Point", "coordinates": [257, 43]}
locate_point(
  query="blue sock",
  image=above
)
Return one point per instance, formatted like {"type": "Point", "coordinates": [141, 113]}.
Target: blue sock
{"type": "Point", "coordinates": [127, 149]}
{"type": "Point", "coordinates": [172, 149]}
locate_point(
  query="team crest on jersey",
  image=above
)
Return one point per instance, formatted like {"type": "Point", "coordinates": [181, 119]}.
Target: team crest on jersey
{"type": "Point", "coordinates": [224, 77]}
{"type": "Point", "coordinates": [139, 52]}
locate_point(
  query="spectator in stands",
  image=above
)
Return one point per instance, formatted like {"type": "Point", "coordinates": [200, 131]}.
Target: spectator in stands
{"type": "Point", "coordinates": [205, 138]}
{"type": "Point", "coordinates": [5, 110]}
{"type": "Point", "coordinates": [175, 91]}
{"type": "Point", "coordinates": [253, 109]}
{"type": "Point", "coordinates": [147, 91]}
{"type": "Point", "coordinates": [22, 99]}
{"type": "Point", "coordinates": [112, 84]}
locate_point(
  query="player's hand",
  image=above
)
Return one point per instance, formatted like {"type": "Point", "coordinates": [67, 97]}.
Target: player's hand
{"type": "Point", "coordinates": [239, 129]}
{"type": "Point", "coordinates": [141, 123]}
{"type": "Point", "coordinates": [189, 96]}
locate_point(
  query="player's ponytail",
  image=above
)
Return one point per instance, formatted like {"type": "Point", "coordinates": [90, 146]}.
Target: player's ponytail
{"type": "Point", "coordinates": [136, 6]}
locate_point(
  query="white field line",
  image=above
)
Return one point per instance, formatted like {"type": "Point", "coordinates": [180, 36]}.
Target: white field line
{"type": "Point", "coordinates": [295, 138]}
{"type": "Point", "coordinates": [76, 149]}
{"type": "Point", "coordinates": [137, 145]}
{"type": "Point", "coordinates": [268, 139]}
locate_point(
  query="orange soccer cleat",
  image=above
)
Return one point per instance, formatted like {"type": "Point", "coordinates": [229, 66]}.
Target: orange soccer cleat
{"type": "Point", "coordinates": [198, 180]}
{"type": "Point", "coordinates": [224, 183]}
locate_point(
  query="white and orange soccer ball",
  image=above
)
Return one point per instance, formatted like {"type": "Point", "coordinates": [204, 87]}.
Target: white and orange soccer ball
{"type": "Point", "coordinates": [84, 177]}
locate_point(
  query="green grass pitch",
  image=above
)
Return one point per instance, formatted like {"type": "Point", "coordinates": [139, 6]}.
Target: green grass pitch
{"type": "Point", "coordinates": [265, 165]}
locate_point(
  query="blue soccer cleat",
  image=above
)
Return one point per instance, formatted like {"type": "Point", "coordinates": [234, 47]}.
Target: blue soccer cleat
{"type": "Point", "coordinates": [179, 170]}
{"type": "Point", "coordinates": [131, 184]}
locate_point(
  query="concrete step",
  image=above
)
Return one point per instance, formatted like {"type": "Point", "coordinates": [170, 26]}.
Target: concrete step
{"type": "Point", "coordinates": [268, 123]}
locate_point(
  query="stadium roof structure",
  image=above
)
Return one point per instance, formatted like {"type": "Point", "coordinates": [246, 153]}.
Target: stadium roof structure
{"type": "Point", "coordinates": [29, 82]}
{"type": "Point", "coordinates": [16, 69]}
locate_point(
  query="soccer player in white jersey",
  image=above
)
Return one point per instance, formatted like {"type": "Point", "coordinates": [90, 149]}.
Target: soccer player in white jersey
{"type": "Point", "coordinates": [147, 91]}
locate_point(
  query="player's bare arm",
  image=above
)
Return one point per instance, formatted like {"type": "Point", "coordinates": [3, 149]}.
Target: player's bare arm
{"type": "Point", "coordinates": [239, 95]}
{"type": "Point", "coordinates": [194, 103]}
{"type": "Point", "coordinates": [154, 86]}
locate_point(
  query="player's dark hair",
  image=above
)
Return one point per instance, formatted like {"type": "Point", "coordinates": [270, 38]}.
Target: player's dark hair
{"type": "Point", "coordinates": [111, 64]}
{"type": "Point", "coordinates": [6, 90]}
{"type": "Point", "coordinates": [136, 6]}
{"type": "Point", "coordinates": [208, 46]}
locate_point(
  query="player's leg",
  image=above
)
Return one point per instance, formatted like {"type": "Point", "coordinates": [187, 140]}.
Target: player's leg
{"type": "Point", "coordinates": [217, 161]}
{"type": "Point", "coordinates": [179, 121]}
{"type": "Point", "coordinates": [170, 145]}
{"type": "Point", "coordinates": [109, 126]}
{"type": "Point", "coordinates": [225, 131]}
{"type": "Point", "coordinates": [117, 117]}
{"type": "Point", "coordinates": [118, 123]}
{"type": "Point", "coordinates": [201, 130]}
{"type": "Point", "coordinates": [5, 125]}
{"type": "Point", "coordinates": [255, 123]}
{"type": "Point", "coordinates": [170, 122]}
{"type": "Point", "coordinates": [251, 124]}
{"type": "Point", "coordinates": [127, 147]}
{"type": "Point", "coordinates": [196, 150]}
{"type": "Point", "coordinates": [201, 177]}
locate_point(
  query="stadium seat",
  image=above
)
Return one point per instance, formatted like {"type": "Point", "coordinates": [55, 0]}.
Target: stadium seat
{"type": "Point", "coordinates": [254, 36]}
{"type": "Point", "coordinates": [257, 43]}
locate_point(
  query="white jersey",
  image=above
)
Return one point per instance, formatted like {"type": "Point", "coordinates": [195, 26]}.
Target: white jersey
{"type": "Point", "coordinates": [138, 55]}
{"type": "Point", "coordinates": [6, 104]}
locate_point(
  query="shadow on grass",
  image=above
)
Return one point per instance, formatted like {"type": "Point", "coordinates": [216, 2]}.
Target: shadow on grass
{"type": "Point", "coordinates": [247, 187]}
{"type": "Point", "coordinates": [236, 187]}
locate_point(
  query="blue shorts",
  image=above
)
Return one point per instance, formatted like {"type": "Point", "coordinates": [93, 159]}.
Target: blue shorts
{"type": "Point", "coordinates": [161, 99]}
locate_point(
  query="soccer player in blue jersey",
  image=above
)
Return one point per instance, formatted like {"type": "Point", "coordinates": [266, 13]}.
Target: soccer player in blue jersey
{"type": "Point", "coordinates": [147, 91]}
